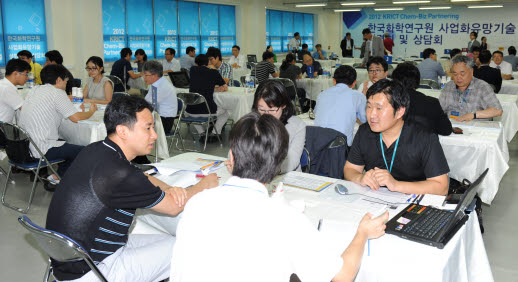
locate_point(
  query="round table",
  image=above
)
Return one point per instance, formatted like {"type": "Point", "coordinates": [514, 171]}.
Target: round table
{"type": "Point", "coordinates": [239, 72]}
{"type": "Point", "coordinates": [314, 86]}
{"type": "Point", "coordinates": [509, 87]}
{"type": "Point", "coordinates": [327, 64]}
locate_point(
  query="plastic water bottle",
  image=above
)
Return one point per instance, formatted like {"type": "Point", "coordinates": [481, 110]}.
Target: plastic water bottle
{"type": "Point", "coordinates": [252, 83]}
{"type": "Point", "coordinates": [79, 95]}
{"type": "Point", "coordinates": [443, 81]}
{"type": "Point", "coordinates": [30, 81]}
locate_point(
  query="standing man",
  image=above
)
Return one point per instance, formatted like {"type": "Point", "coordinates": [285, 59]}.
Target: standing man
{"type": "Point", "coordinates": [167, 104]}
{"type": "Point", "coordinates": [377, 68]}
{"type": "Point", "coordinates": [512, 59]}
{"type": "Point", "coordinates": [216, 62]}
{"type": "Point", "coordinates": [123, 70]}
{"type": "Point", "coordinates": [16, 73]}
{"type": "Point", "coordinates": [388, 43]}
{"type": "Point", "coordinates": [294, 44]}
{"type": "Point", "coordinates": [170, 64]}
{"type": "Point", "coordinates": [99, 195]}
{"type": "Point", "coordinates": [473, 41]}
{"type": "Point", "coordinates": [237, 60]}
{"type": "Point", "coordinates": [430, 68]}
{"type": "Point", "coordinates": [347, 45]}
{"type": "Point", "coordinates": [340, 107]}
{"type": "Point", "coordinates": [374, 46]}
{"type": "Point", "coordinates": [319, 54]}
{"type": "Point", "coordinates": [498, 63]}
{"type": "Point", "coordinates": [35, 67]}
{"type": "Point", "coordinates": [187, 60]}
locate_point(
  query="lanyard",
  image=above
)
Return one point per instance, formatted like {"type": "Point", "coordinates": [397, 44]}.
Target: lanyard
{"type": "Point", "coordinates": [463, 98]}
{"type": "Point", "coordinates": [393, 154]}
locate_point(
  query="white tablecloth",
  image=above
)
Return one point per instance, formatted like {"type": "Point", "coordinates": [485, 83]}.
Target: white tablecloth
{"type": "Point", "coordinates": [509, 87]}
{"type": "Point", "coordinates": [388, 258]}
{"type": "Point", "coordinates": [239, 72]}
{"type": "Point", "coordinates": [350, 61]}
{"type": "Point", "coordinates": [314, 87]}
{"type": "Point", "coordinates": [327, 64]}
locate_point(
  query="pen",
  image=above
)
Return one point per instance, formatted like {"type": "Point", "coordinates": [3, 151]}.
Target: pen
{"type": "Point", "coordinates": [319, 224]}
{"type": "Point", "coordinates": [202, 175]}
{"type": "Point", "coordinates": [415, 199]}
{"type": "Point", "coordinates": [412, 197]}
{"type": "Point", "coordinates": [420, 199]}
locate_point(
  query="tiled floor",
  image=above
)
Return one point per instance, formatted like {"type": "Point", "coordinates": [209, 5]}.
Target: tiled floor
{"type": "Point", "coordinates": [20, 260]}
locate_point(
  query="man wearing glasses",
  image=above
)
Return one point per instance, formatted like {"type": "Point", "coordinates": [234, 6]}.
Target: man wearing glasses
{"type": "Point", "coordinates": [170, 63]}
{"type": "Point", "coordinates": [378, 69]}
{"type": "Point", "coordinates": [42, 114]}
{"type": "Point", "coordinates": [216, 62]}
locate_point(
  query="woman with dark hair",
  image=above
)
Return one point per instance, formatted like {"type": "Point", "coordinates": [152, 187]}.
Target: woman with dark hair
{"type": "Point", "coordinates": [98, 88]}
{"type": "Point", "coordinates": [483, 45]}
{"type": "Point", "coordinates": [141, 58]}
{"type": "Point", "coordinates": [269, 48]}
{"type": "Point", "coordinates": [272, 98]}
{"type": "Point", "coordinates": [289, 70]}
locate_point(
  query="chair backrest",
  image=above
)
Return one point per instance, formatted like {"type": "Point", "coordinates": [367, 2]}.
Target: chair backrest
{"type": "Point", "coordinates": [116, 81]}
{"type": "Point", "coordinates": [58, 246]}
{"type": "Point", "coordinates": [118, 94]}
{"type": "Point", "coordinates": [192, 99]}
{"type": "Point", "coordinates": [251, 58]}
{"type": "Point", "coordinates": [429, 84]}
{"type": "Point", "coordinates": [236, 83]}
{"type": "Point", "coordinates": [17, 142]}
{"type": "Point", "coordinates": [181, 108]}
{"type": "Point", "coordinates": [179, 79]}
{"type": "Point", "coordinates": [305, 161]}
{"type": "Point", "coordinates": [290, 87]}
{"type": "Point", "coordinates": [412, 62]}
{"type": "Point", "coordinates": [328, 150]}
{"type": "Point", "coordinates": [77, 82]}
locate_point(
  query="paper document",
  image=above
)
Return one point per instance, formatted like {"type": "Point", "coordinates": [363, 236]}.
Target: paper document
{"type": "Point", "coordinates": [300, 180]}
{"type": "Point", "coordinates": [168, 168]}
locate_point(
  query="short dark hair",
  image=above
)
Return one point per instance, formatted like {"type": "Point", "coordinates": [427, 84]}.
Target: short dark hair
{"type": "Point", "coordinates": [268, 47]}
{"type": "Point", "coordinates": [484, 57]}
{"type": "Point", "coordinates": [201, 60]}
{"type": "Point", "coordinates": [305, 46]}
{"type": "Point", "coordinates": [498, 52]}
{"type": "Point", "coordinates": [408, 74]}
{"type": "Point", "coordinates": [50, 73]}
{"type": "Point", "coordinates": [345, 74]}
{"type": "Point", "coordinates": [215, 53]}
{"type": "Point", "coordinates": [475, 49]}
{"type": "Point", "coordinates": [122, 110]}
{"type": "Point", "coordinates": [97, 61]}
{"type": "Point", "coordinates": [153, 67]}
{"type": "Point", "coordinates": [454, 52]}
{"type": "Point", "coordinates": [378, 61]}
{"type": "Point", "coordinates": [318, 45]}
{"type": "Point", "coordinates": [296, 34]}
{"type": "Point", "coordinates": [396, 94]}
{"type": "Point", "coordinates": [237, 47]}
{"type": "Point", "coordinates": [259, 145]}
{"type": "Point", "coordinates": [189, 49]}
{"type": "Point", "coordinates": [267, 55]}
{"type": "Point", "coordinates": [54, 56]}
{"type": "Point", "coordinates": [428, 52]}
{"type": "Point", "coordinates": [141, 52]}
{"type": "Point", "coordinates": [18, 65]}
{"type": "Point", "coordinates": [366, 31]}
{"type": "Point", "coordinates": [347, 34]}
{"type": "Point", "coordinates": [274, 94]}
{"type": "Point", "coordinates": [474, 33]}
{"type": "Point", "coordinates": [171, 50]}
{"type": "Point", "coordinates": [25, 53]}
{"type": "Point", "coordinates": [483, 37]}
{"type": "Point", "coordinates": [125, 52]}
{"type": "Point", "coordinates": [511, 50]}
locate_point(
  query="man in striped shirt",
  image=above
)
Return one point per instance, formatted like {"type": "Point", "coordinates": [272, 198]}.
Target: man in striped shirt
{"type": "Point", "coordinates": [216, 62]}
{"type": "Point", "coordinates": [264, 69]}
{"type": "Point", "coordinates": [43, 112]}
{"type": "Point", "coordinates": [99, 195]}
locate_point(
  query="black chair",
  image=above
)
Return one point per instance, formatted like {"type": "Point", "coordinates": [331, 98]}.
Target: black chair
{"type": "Point", "coordinates": [116, 81]}
{"type": "Point", "coordinates": [236, 83]}
{"type": "Point", "coordinates": [77, 82]}
{"type": "Point", "coordinates": [176, 131]}
{"type": "Point", "coordinates": [328, 150]}
{"type": "Point", "coordinates": [179, 79]}
{"type": "Point", "coordinates": [59, 247]}
{"type": "Point", "coordinates": [292, 92]}
{"type": "Point", "coordinates": [429, 84]}
{"type": "Point", "coordinates": [118, 94]}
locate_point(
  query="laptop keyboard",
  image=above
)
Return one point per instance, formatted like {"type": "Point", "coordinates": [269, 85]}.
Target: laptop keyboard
{"type": "Point", "coordinates": [429, 224]}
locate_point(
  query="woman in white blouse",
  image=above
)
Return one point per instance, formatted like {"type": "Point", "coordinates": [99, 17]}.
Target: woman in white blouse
{"type": "Point", "coordinates": [98, 88]}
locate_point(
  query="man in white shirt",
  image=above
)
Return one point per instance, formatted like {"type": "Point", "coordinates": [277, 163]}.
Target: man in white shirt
{"type": "Point", "coordinates": [42, 114]}
{"type": "Point", "coordinates": [498, 63]}
{"type": "Point", "coordinates": [237, 60]}
{"type": "Point", "coordinates": [258, 237]}
{"type": "Point", "coordinates": [378, 69]}
{"type": "Point", "coordinates": [170, 63]}
{"type": "Point", "coordinates": [16, 73]}
{"type": "Point", "coordinates": [166, 101]}
{"type": "Point", "coordinates": [294, 43]}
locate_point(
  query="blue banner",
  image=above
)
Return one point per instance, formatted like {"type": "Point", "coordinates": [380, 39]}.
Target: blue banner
{"type": "Point", "coordinates": [24, 28]}
{"type": "Point", "coordinates": [227, 28]}
{"type": "Point", "coordinates": [140, 25]}
{"type": "Point", "coordinates": [287, 29]}
{"type": "Point", "coordinates": [2, 57]}
{"type": "Point", "coordinates": [114, 28]}
{"type": "Point", "coordinates": [189, 29]}
{"type": "Point", "coordinates": [308, 31]}
{"type": "Point", "coordinates": [276, 30]}
{"type": "Point", "coordinates": [166, 27]}
{"type": "Point", "coordinates": [209, 26]}
{"type": "Point", "coordinates": [267, 28]}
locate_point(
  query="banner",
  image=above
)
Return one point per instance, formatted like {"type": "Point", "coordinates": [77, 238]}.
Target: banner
{"type": "Point", "coordinates": [166, 27]}
{"type": "Point", "coordinates": [114, 28]}
{"type": "Point", "coordinates": [189, 29]}
{"type": "Point", "coordinates": [140, 26]}
{"type": "Point", "coordinates": [209, 26]}
{"type": "Point", "coordinates": [227, 28]}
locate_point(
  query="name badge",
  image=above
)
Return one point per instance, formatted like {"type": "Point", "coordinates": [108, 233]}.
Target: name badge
{"type": "Point", "coordinates": [454, 114]}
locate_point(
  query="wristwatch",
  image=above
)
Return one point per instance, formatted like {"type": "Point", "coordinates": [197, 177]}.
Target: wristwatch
{"type": "Point", "coordinates": [474, 114]}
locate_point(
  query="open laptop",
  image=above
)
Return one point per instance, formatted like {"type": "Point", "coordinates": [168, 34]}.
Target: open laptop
{"type": "Point", "coordinates": [432, 226]}
{"type": "Point", "coordinates": [179, 79]}
{"type": "Point", "coordinates": [251, 58]}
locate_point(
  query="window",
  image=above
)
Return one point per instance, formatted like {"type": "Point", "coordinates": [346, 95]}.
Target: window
{"type": "Point", "coordinates": [280, 27]}
{"type": "Point", "coordinates": [24, 29]}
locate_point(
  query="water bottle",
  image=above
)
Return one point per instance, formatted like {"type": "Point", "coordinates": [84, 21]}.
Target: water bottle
{"type": "Point", "coordinates": [310, 71]}
{"type": "Point", "coordinates": [247, 84]}
{"type": "Point", "coordinates": [30, 81]}
{"type": "Point", "coordinates": [79, 95]}
{"type": "Point", "coordinates": [443, 81]}
{"type": "Point", "coordinates": [252, 83]}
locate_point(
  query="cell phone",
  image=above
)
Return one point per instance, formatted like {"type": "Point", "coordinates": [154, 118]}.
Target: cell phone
{"type": "Point", "coordinates": [452, 199]}
{"type": "Point", "coordinates": [457, 130]}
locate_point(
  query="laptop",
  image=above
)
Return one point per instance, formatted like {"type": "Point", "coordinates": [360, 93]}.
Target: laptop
{"type": "Point", "coordinates": [251, 58]}
{"type": "Point", "coordinates": [179, 79]}
{"type": "Point", "coordinates": [432, 226]}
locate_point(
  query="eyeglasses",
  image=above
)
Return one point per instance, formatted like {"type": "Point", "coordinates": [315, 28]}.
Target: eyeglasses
{"type": "Point", "coordinates": [375, 71]}
{"type": "Point", "coordinates": [90, 69]}
{"type": "Point", "coordinates": [24, 73]}
{"type": "Point", "coordinates": [261, 111]}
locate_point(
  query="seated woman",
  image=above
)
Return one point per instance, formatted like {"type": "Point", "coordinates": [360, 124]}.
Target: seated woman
{"type": "Point", "coordinates": [98, 88]}
{"type": "Point", "coordinates": [272, 98]}
{"type": "Point", "coordinates": [141, 58]}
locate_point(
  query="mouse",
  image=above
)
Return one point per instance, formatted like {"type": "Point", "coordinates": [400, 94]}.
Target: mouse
{"type": "Point", "coordinates": [341, 189]}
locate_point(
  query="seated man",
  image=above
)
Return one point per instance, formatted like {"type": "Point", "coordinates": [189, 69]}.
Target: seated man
{"type": "Point", "coordinates": [498, 63]}
{"type": "Point", "coordinates": [340, 107]}
{"type": "Point", "coordinates": [377, 68]}
{"type": "Point", "coordinates": [430, 68]}
{"type": "Point", "coordinates": [15, 74]}
{"type": "Point", "coordinates": [487, 73]}
{"type": "Point", "coordinates": [187, 60]}
{"type": "Point", "coordinates": [170, 63]}
{"type": "Point", "coordinates": [303, 51]}
{"type": "Point", "coordinates": [204, 81]}
{"type": "Point", "coordinates": [424, 110]}
{"type": "Point", "coordinates": [512, 59]}
{"type": "Point", "coordinates": [319, 54]}
{"type": "Point", "coordinates": [265, 68]}
{"type": "Point", "coordinates": [123, 70]}
{"type": "Point", "coordinates": [259, 230]}
{"type": "Point", "coordinates": [100, 193]}
{"type": "Point", "coordinates": [237, 60]}
{"type": "Point", "coordinates": [35, 67]}
{"type": "Point", "coordinates": [43, 112]}
{"type": "Point", "coordinates": [475, 55]}
{"type": "Point", "coordinates": [216, 62]}
{"type": "Point", "coordinates": [393, 152]}
{"type": "Point", "coordinates": [309, 61]}
{"type": "Point", "coordinates": [167, 104]}
{"type": "Point", "coordinates": [466, 97]}
{"type": "Point", "coordinates": [53, 57]}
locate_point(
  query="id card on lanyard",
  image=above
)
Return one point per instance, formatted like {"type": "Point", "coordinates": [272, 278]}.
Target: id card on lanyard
{"type": "Point", "coordinates": [462, 100]}
{"type": "Point", "coordinates": [393, 154]}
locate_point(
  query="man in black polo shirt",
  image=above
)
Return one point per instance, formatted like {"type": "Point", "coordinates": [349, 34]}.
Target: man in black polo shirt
{"type": "Point", "coordinates": [123, 70]}
{"type": "Point", "coordinates": [97, 198]}
{"type": "Point", "coordinates": [393, 152]}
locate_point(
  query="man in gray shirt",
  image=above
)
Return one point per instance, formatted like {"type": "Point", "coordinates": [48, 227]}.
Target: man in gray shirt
{"type": "Point", "coordinates": [430, 68]}
{"type": "Point", "coordinates": [512, 59]}
{"type": "Point", "coordinates": [466, 97]}
{"type": "Point", "coordinates": [187, 60]}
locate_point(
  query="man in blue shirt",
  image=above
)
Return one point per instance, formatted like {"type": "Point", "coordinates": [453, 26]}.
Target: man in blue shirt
{"type": "Point", "coordinates": [340, 107]}
{"type": "Point", "coordinates": [430, 68]}
{"type": "Point", "coordinates": [319, 54]}
{"type": "Point", "coordinates": [187, 60]}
